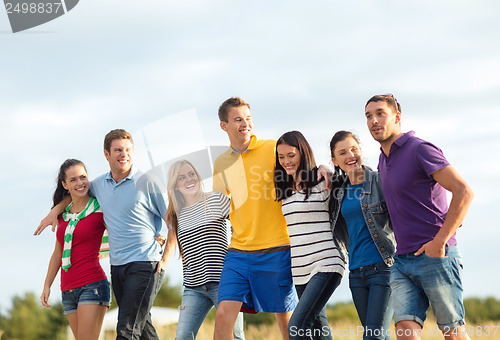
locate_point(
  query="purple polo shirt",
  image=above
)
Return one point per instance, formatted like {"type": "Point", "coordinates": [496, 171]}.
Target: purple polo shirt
{"type": "Point", "coordinates": [417, 204]}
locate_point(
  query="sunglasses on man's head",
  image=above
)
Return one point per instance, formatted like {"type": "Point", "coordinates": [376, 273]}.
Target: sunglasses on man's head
{"type": "Point", "coordinates": [390, 95]}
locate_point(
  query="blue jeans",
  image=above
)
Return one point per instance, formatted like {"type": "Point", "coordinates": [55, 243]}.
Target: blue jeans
{"type": "Point", "coordinates": [195, 305]}
{"type": "Point", "coordinates": [371, 293]}
{"type": "Point", "coordinates": [135, 286]}
{"type": "Point", "coordinates": [309, 318]}
{"type": "Point", "coordinates": [417, 281]}
{"type": "Point", "coordinates": [95, 293]}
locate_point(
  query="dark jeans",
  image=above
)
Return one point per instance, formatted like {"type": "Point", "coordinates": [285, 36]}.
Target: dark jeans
{"type": "Point", "coordinates": [309, 318]}
{"type": "Point", "coordinates": [371, 293]}
{"type": "Point", "coordinates": [135, 286]}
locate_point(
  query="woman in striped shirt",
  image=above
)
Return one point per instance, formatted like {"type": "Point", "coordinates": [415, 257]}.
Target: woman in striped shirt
{"type": "Point", "coordinates": [199, 223]}
{"type": "Point", "coordinates": [317, 265]}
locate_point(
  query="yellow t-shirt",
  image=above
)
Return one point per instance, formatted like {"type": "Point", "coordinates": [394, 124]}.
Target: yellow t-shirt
{"type": "Point", "coordinates": [256, 216]}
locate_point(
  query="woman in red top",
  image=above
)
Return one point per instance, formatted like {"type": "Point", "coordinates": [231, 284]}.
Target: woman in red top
{"type": "Point", "coordinates": [85, 288]}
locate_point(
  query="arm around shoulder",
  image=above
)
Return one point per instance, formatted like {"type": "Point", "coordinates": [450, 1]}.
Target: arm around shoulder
{"type": "Point", "coordinates": [325, 172]}
{"type": "Point", "coordinates": [51, 218]}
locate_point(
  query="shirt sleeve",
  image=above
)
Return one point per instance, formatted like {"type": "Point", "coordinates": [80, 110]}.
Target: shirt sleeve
{"type": "Point", "coordinates": [430, 158]}
{"type": "Point", "coordinates": [218, 183]}
{"type": "Point", "coordinates": [156, 194]}
{"type": "Point", "coordinates": [92, 188]}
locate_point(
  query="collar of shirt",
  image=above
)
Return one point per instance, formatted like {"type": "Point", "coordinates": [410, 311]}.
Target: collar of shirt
{"type": "Point", "coordinates": [133, 171]}
{"type": "Point", "coordinates": [252, 145]}
{"type": "Point", "coordinates": [401, 140]}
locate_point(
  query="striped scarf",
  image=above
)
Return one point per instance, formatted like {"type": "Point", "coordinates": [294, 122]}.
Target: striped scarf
{"type": "Point", "coordinates": [92, 206]}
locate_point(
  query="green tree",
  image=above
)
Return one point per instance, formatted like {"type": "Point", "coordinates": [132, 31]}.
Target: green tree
{"type": "Point", "coordinates": [3, 321]}
{"type": "Point", "coordinates": [479, 310]}
{"type": "Point", "coordinates": [168, 296]}
{"type": "Point", "coordinates": [28, 320]}
{"type": "Point", "coordinates": [342, 311]}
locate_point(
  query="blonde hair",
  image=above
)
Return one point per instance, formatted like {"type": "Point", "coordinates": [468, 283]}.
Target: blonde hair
{"type": "Point", "coordinates": [176, 200]}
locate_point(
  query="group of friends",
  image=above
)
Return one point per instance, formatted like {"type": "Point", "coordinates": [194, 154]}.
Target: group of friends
{"type": "Point", "coordinates": [295, 227]}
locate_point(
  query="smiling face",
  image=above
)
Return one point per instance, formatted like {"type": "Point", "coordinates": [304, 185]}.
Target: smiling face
{"type": "Point", "coordinates": [383, 122]}
{"type": "Point", "coordinates": [289, 158]}
{"type": "Point", "coordinates": [188, 183]}
{"type": "Point", "coordinates": [347, 155]}
{"type": "Point", "coordinates": [239, 126]}
{"type": "Point", "coordinates": [76, 181]}
{"type": "Point", "coordinates": [119, 157]}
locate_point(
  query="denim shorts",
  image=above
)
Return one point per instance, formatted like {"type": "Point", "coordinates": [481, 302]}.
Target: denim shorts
{"type": "Point", "coordinates": [95, 293]}
{"type": "Point", "coordinates": [263, 282]}
{"type": "Point", "coordinates": [417, 281]}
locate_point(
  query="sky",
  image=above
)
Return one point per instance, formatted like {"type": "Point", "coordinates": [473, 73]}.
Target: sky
{"type": "Point", "coordinates": [161, 69]}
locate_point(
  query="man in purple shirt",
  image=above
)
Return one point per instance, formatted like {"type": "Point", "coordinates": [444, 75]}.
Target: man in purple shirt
{"type": "Point", "coordinates": [415, 176]}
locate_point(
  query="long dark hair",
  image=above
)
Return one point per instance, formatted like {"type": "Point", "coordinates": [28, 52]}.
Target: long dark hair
{"type": "Point", "coordinates": [307, 170]}
{"type": "Point", "coordinates": [60, 193]}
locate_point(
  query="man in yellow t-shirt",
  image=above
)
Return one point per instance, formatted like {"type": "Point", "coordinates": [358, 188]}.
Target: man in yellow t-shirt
{"type": "Point", "coordinates": [256, 274]}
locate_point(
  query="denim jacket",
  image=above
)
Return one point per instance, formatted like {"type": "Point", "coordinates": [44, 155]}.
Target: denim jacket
{"type": "Point", "coordinates": [375, 213]}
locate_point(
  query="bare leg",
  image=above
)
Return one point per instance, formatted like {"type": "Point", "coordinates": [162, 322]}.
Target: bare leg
{"type": "Point", "coordinates": [90, 319]}
{"type": "Point", "coordinates": [73, 323]}
{"type": "Point", "coordinates": [408, 330]}
{"type": "Point", "coordinates": [225, 317]}
{"type": "Point", "coordinates": [282, 320]}
{"type": "Point", "coordinates": [459, 333]}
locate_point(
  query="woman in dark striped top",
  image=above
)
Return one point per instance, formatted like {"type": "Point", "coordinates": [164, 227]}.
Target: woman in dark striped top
{"type": "Point", "coordinates": [199, 223]}
{"type": "Point", "coordinates": [317, 266]}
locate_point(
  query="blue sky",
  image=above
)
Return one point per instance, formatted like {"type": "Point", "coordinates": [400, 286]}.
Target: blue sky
{"type": "Point", "coordinates": [308, 66]}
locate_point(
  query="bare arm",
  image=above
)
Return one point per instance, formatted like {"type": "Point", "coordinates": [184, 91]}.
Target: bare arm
{"type": "Point", "coordinates": [169, 247]}
{"type": "Point", "coordinates": [54, 265]}
{"type": "Point", "coordinates": [462, 196]}
{"type": "Point", "coordinates": [51, 218]}
{"type": "Point", "coordinates": [325, 172]}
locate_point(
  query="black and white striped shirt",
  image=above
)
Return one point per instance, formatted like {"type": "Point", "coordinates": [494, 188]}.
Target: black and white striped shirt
{"type": "Point", "coordinates": [311, 239]}
{"type": "Point", "coordinates": [203, 238]}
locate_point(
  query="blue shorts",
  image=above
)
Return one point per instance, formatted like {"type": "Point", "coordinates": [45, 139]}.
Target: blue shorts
{"type": "Point", "coordinates": [263, 282]}
{"type": "Point", "coordinates": [417, 281]}
{"type": "Point", "coordinates": [95, 293]}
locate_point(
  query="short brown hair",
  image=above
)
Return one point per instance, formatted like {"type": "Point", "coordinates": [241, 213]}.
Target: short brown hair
{"type": "Point", "coordinates": [116, 134]}
{"type": "Point", "coordinates": [389, 99]}
{"type": "Point", "coordinates": [229, 104]}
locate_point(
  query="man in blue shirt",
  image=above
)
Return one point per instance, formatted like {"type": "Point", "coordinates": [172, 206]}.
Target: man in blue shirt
{"type": "Point", "coordinates": [133, 205]}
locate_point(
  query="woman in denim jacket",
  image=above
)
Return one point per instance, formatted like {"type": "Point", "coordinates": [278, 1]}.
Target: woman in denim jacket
{"type": "Point", "coordinates": [363, 229]}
